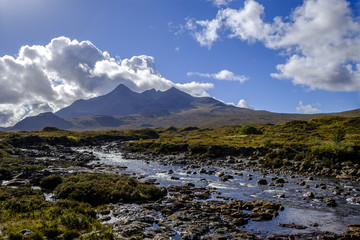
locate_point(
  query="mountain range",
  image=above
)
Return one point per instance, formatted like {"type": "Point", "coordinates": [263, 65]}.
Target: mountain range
{"type": "Point", "coordinates": [123, 108]}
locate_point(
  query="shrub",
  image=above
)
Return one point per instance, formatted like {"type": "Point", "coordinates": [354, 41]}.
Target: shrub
{"type": "Point", "coordinates": [339, 135]}
{"type": "Point", "coordinates": [335, 152]}
{"type": "Point", "coordinates": [51, 182]}
{"type": "Point", "coordinates": [99, 189]}
{"type": "Point", "coordinates": [73, 139]}
{"type": "Point", "coordinates": [249, 129]}
{"type": "Point", "coordinates": [51, 129]}
{"type": "Point", "coordinates": [71, 234]}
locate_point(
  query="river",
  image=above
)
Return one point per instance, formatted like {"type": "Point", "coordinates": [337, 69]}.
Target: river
{"type": "Point", "coordinates": [310, 212]}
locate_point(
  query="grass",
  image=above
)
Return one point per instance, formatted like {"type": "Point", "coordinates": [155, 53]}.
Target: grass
{"type": "Point", "coordinates": [23, 209]}
{"type": "Point", "coordinates": [307, 140]}
{"type": "Point", "coordinates": [74, 215]}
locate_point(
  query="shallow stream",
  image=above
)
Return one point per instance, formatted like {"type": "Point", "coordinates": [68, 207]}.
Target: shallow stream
{"type": "Point", "coordinates": [310, 212]}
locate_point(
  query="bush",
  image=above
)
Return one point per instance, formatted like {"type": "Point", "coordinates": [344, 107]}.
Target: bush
{"type": "Point", "coordinates": [51, 182]}
{"type": "Point", "coordinates": [335, 152]}
{"type": "Point", "coordinates": [51, 129]}
{"type": "Point", "coordinates": [99, 189]}
{"type": "Point", "coordinates": [339, 135]}
{"type": "Point", "coordinates": [249, 129]}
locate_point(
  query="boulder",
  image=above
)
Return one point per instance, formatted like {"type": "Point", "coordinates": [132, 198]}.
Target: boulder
{"type": "Point", "coordinates": [262, 182]}
{"type": "Point", "coordinates": [330, 202]}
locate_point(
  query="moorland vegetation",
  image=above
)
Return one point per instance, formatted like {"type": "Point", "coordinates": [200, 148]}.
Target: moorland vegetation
{"type": "Point", "coordinates": [326, 142]}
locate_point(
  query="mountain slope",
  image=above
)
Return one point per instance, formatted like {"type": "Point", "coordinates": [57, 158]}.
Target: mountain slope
{"type": "Point", "coordinates": [123, 101]}
{"type": "Point", "coordinates": [40, 121]}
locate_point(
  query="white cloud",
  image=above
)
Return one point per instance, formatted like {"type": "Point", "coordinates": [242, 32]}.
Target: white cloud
{"type": "Point", "coordinates": [222, 75]}
{"type": "Point", "coordinates": [243, 104]}
{"type": "Point", "coordinates": [321, 40]}
{"type": "Point", "coordinates": [308, 109]}
{"type": "Point", "coordinates": [48, 78]}
{"type": "Point", "coordinates": [219, 3]}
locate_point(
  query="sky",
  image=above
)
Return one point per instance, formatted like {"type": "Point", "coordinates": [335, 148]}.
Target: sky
{"type": "Point", "coordinates": [288, 56]}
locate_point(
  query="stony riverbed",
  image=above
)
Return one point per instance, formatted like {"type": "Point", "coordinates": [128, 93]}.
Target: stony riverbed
{"type": "Point", "coordinates": [228, 198]}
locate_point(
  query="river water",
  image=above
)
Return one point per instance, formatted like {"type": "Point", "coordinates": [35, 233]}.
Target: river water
{"type": "Point", "coordinates": [298, 209]}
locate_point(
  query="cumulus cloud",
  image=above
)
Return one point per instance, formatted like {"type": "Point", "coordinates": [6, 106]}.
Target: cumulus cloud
{"type": "Point", "coordinates": [321, 40]}
{"type": "Point", "coordinates": [308, 109]}
{"type": "Point", "coordinates": [243, 104]}
{"type": "Point", "coordinates": [222, 75]}
{"type": "Point", "coordinates": [48, 78]}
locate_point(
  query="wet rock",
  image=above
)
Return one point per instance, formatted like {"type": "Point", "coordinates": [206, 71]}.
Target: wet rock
{"type": "Point", "coordinates": [279, 180]}
{"type": "Point", "coordinates": [353, 233]}
{"type": "Point", "coordinates": [187, 185]}
{"type": "Point", "coordinates": [302, 183]}
{"type": "Point", "coordinates": [309, 195]}
{"type": "Point", "coordinates": [330, 202]}
{"type": "Point", "coordinates": [357, 200]}
{"type": "Point", "coordinates": [336, 192]}
{"type": "Point", "coordinates": [281, 195]}
{"type": "Point", "coordinates": [262, 182]}
{"type": "Point", "coordinates": [26, 232]}
{"type": "Point", "coordinates": [104, 219]}
{"type": "Point", "coordinates": [219, 174]}
{"type": "Point", "coordinates": [170, 171]}
{"type": "Point", "coordinates": [230, 159]}
{"type": "Point", "coordinates": [292, 225]}
{"type": "Point", "coordinates": [160, 237]}
{"type": "Point", "coordinates": [105, 212]}
{"type": "Point", "coordinates": [226, 177]}
{"type": "Point", "coordinates": [203, 195]}
{"type": "Point", "coordinates": [223, 197]}
{"type": "Point", "coordinates": [305, 166]}
{"type": "Point", "coordinates": [150, 181]}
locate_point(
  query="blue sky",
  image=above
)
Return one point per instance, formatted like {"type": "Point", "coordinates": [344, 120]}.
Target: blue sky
{"type": "Point", "coordinates": [307, 60]}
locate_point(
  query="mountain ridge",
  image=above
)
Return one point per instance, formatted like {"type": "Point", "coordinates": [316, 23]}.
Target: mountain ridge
{"type": "Point", "coordinates": [123, 108]}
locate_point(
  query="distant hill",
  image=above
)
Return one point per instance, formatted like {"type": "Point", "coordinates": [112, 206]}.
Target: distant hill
{"type": "Point", "coordinates": [40, 121]}
{"type": "Point", "coordinates": [352, 113]}
{"type": "Point", "coordinates": [123, 108]}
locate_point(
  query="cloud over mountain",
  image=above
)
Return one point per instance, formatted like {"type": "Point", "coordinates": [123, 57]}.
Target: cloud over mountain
{"type": "Point", "coordinates": [243, 104]}
{"type": "Point", "coordinates": [47, 78]}
{"type": "Point", "coordinates": [222, 75]}
{"type": "Point", "coordinates": [308, 109]}
{"type": "Point", "coordinates": [321, 40]}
